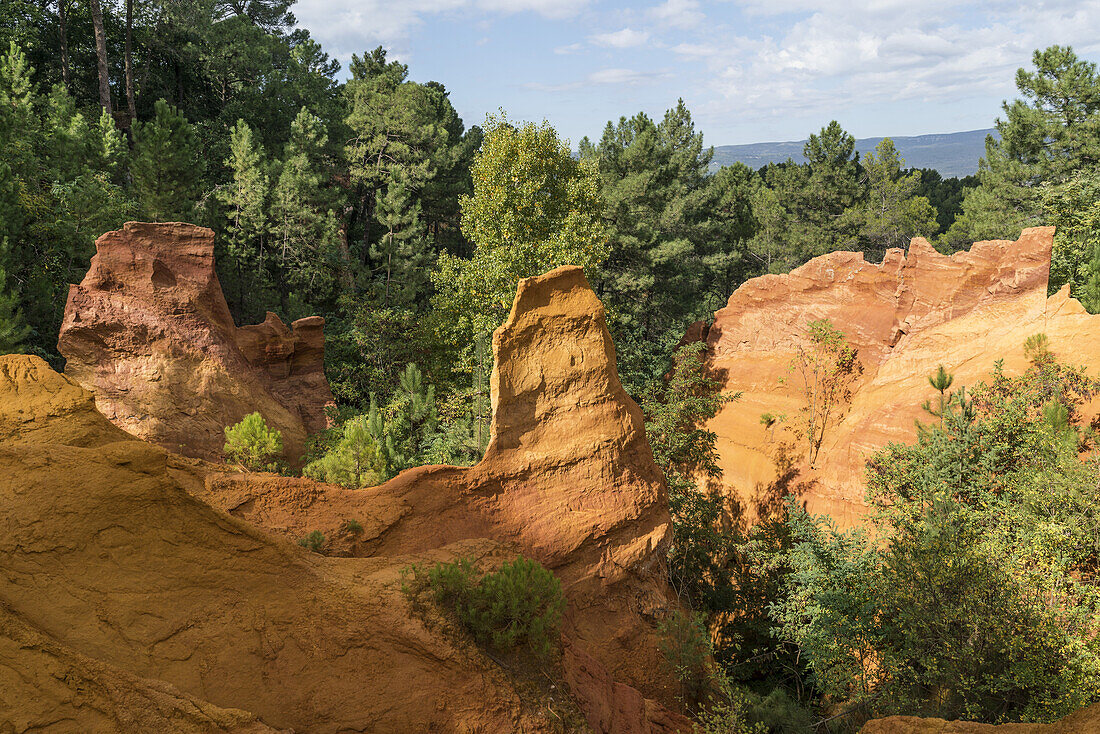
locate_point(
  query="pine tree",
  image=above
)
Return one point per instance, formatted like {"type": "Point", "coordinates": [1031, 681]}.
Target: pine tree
{"type": "Point", "coordinates": [245, 202]}
{"type": "Point", "coordinates": [1074, 210]}
{"type": "Point", "coordinates": [395, 126]}
{"type": "Point", "coordinates": [666, 243]}
{"type": "Point", "coordinates": [13, 329]}
{"type": "Point", "coordinates": [304, 231]}
{"type": "Point", "coordinates": [405, 432]}
{"type": "Point", "coordinates": [166, 166]}
{"type": "Point", "coordinates": [833, 186]}
{"type": "Point", "coordinates": [404, 252]}
{"type": "Point", "coordinates": [1046, 136]}
{"type": "Point", "coordinates": [892, 212]}
{"type": "Point", "coordinates": [19, 127]}
{"type": "Point", "coordinates": [1090, 297]}
{"type": "Point", "coordinates": [273, 16]}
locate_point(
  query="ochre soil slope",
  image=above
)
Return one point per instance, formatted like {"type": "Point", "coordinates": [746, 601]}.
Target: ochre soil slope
{"type": "Point", "coordinates": [907, 315]}
{"type": "Point", "coordinates": [1085, 721]}
{"type": "Point", "coordinates": [148, 331]}
{"type": "Point", "coordinates": [46, 687]}
{"type": "Point", "coordinates": [124, 595]}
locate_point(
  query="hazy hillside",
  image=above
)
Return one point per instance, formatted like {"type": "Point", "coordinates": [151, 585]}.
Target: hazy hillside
{"type": "Point", "coordinates": [952, 154]}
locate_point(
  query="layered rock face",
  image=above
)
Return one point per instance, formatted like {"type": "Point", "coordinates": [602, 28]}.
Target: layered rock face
{"type": "Point", "coordinates": [568, 479]}
{"type": "Point", "coordinates": [1085, 721]}
{"type": "Point", "coordinates": [118, 569]}
{"type": "Point", "coordinates": [906, 315]}
{"type": "Point", "coordinates": [148, 331]}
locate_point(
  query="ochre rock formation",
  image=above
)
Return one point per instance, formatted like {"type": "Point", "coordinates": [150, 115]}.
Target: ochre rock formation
{"type": "Point", "coordinates": [46, 687]}
{"type": "Point", "coordinates": [568, 479]}
{"type": "Point", "coordinates": [126, 604]}
{"type": "Point", "coordinates": [148, 331]}
{"type": "Point", "coordinates": [907, 315]}
{"type": "Point", "coordinates": [1085, 721]}
{"type": "Point", "coordinates": [132, 588]}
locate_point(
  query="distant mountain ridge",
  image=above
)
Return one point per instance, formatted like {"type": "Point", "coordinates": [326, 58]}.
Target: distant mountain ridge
{"type": "Point", "coordinates": [952, 154]}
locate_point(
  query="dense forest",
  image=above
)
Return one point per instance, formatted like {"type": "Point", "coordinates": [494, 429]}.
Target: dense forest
{"type": "Point", "coordinates": [363, 197]}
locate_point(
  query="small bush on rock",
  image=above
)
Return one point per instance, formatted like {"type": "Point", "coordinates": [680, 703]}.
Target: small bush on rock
{"type": "Point", "coordinates": [314, 541]}
{"type": "Point", "coordinates": [253, 445]}
{"type": "Point", "coordinates": [355, 460]}
{"type": "Point", "coordinates": [521, 604]}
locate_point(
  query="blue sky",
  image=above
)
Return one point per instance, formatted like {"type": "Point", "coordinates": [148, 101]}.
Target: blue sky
{"type": "Point", "coordinates": [749, 70]}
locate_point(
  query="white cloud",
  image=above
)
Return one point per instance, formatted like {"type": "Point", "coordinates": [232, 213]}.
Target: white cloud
{"type": "Point", "coordinates": [677, 13]}
{"type": "Point", "coordinates": [545, 8]}
{"type": "Point", "coordinates": [352, 26]}
{"type": "Point", "coordinates": [622, 76]}
{"type": "Point", "coordinates": [603, 77]}
{"type": "Point", "coordinates": [626, 38]}
{"type": "Point", "coordinates": [570, 49]}
{"type": "Point", "coordinates": [828, 58]}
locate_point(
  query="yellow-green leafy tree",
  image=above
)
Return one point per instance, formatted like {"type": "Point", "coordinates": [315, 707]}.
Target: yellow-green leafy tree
{"type": "Point", "coordinates": [534, 207]}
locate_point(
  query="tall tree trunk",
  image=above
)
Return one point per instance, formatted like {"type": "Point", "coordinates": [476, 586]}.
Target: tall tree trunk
{"type": "Point", "coordinates": [347, 278]}
{"type": "Point", "coordinates": [130, 60]}
{"type": "Point", "coordinates": [63, 21]}
{"type": "Point", "coordinates": [101, 55]}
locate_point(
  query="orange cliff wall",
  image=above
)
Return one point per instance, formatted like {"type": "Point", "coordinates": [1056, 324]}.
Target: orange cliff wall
{"type": "Point", "coordinates": [148, 331]}
{"type": "Point", "coordinates": [1084, 721]}
{"type": "Point", "coordinates": [906, 315]}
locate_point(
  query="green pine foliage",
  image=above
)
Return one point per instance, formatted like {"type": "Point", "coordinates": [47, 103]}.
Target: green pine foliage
{"type": "Point", "coordinates": [369, 202]}
{"type": "Point", "coordinates": [253, 445]}
{"type": "Point", "coordinates": [944, 194]}
{"type": "Point", "coordinates": [305, 234]}
{"type": "Point", "coordinates": [405, 256]}
{"type": "Point", "coordinates": [13, 329]}
{"type": "Point", "coordinates": [375, 446]}
{"type": "Point", "coordinates": [167, 166]}
{"type": "Point", "coordinates": [1074, 208]}
{"type": "Point", "coordinates": [518, 606]}
{"type": "Point", "coordinates": [314, 541]}
{"type": "Point", "coordinates": [1046, 136]}
{"type": "Point", "coordinates": [893, 212]}
{"type": "Point", "coordinates": [245, 202]}
{"type": "Point", "coordinates": [61, 186]}
{"type": "Point", "coordinates": [676, 234]}
{"type": "Point", "coordinates": [355, 461]}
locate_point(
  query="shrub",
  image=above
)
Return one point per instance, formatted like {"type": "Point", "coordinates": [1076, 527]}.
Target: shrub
{"type": "Point", "coordinates": [314, 541]}
{"type": "Point", "coordinates": [521, 604]}
{"type": "Point", "coordinates": [352, 526]}
{"type": "Point", "coordinates": [355, 460]}
{"type": "Point", "coordinates": [971, 592]}
{"type": "Point", "coordinates": [686, 645]}
{"type": "Point", "coordinates": [253, 445]}
{"type": "Point", "coordinates": [719, 706]}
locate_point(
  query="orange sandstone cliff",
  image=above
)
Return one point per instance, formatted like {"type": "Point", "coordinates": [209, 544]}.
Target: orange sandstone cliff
{"type": "Point", "coordinates": [1085, 721]}
{"type": "Point", "coordinates": [148, 331]}
{"type": "Point", "coordinates": [568, 479]}
{"type": "Point", "coordinates": [906, 315]}
{"type": "Point", "coordinates": [126, 592]}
